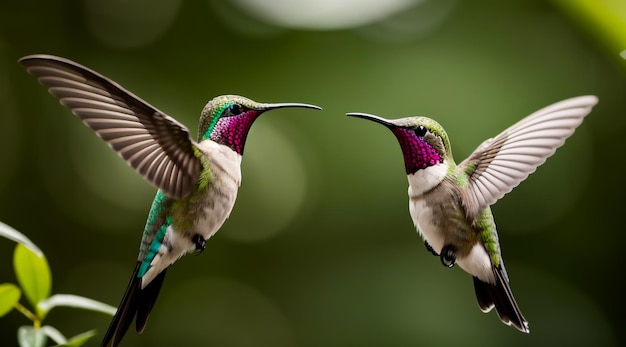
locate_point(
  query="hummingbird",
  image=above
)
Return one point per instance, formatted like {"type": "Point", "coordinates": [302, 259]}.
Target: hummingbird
{"type": "Point", "coordinates": [450, 203]}
{"type": "Point", "coordinates": [197, 181]}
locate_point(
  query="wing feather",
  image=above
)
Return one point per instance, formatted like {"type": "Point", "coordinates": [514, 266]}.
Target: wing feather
{"type": "Point", "coordinates": [499, 164]}
{"type": "Point", "coordinates": [157, 146]}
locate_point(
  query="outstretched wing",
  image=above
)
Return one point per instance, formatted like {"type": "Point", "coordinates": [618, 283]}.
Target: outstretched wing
{"type": "Point", "coordinates": [154, 144]}
{"type": "Point", "coordinates": [499, 164]}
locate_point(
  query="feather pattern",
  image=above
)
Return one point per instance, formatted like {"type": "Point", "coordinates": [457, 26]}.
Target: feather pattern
{"type": "Point", "coordinates": [499, 164]}
{"type": "Point", "coordinates": [157, 146]}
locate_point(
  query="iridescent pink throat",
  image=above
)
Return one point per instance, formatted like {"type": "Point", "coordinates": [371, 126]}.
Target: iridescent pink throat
{"type": "Point", "coordinates": [418, 154]}
{"type": "Point", "coordinates": [232, 131]}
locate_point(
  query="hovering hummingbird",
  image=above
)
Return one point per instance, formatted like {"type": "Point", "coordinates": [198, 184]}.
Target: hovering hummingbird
{"type": "Point", "coordinates": [450, 203]}
{"type": "Point", "coordinates": [197, 181]}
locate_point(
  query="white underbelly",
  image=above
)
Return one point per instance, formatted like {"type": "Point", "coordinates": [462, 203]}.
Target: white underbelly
{"type": "Point", "coordinates": [477, 262]}
{"type": "Point", "coordinates": [222, 189]}
{"type": "Point", "coordinates": [422, 218]}
{"type": "Point", "coordinates": [213, 215]}
{"type": "Point", "coordinates": [421, 182]}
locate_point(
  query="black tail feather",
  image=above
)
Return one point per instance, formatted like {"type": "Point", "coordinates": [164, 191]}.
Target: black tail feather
{"type": "Point", "coordinates": [147, 299]}
{"type": "Point", "coordinates": [125, 311]}
{"type": "Point", "coordinates": [136, 301]}
{"type": "Point", "coordinates": [500, 296]}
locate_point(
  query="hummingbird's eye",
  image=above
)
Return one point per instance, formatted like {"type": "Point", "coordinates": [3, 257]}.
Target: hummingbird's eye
{"type": "Point", "coordinates": [420, 131]}
{"type": "Point", "coordinates": [235, 109]}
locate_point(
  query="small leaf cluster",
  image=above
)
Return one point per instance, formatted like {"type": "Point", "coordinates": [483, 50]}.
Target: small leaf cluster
{"type": "Point", "coordinates": [35, 283]}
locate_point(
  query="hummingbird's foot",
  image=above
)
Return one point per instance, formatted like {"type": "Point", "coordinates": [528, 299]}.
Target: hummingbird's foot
{"type": "Point", "coordinates": [200, 243]}
{"type": "Point", "coordinates": [448, 256]}
{"type": "Point", "coordinates": [430, 248]}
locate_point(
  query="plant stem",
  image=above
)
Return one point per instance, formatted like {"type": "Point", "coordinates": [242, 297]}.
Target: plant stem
{"type": "Point", "coordinates": [28, 314]}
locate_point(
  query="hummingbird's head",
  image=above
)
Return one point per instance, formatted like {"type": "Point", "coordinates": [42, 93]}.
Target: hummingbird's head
{"type": "Point", "coordinates": [227, 119]}
{"type": "Point", "coordinates": [423, 141]}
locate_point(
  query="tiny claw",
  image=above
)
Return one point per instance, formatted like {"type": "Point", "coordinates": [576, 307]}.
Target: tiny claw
{"type": "Point", "coordinates": [430, 248]}
{"type": "Point", "coordinates": [200, 243]}
{"type": "Point", "coordinates": [448, 256]}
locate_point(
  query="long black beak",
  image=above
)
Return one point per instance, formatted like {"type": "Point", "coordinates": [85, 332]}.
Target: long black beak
{"type": "Point", "coordinates": [268, 107]}
{"type": "Point", "coordinates": [373, 118]}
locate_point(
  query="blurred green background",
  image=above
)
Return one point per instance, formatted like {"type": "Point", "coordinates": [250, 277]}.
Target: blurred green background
{"type": "Point", "coordinates": [320, 249]}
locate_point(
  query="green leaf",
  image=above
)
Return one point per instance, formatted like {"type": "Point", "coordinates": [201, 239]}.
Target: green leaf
{"type": "Point", "coordinates": [33, 274]}
{"type": "Point", "coordinates": [18, 237]}
{"type": "Point", "coordinates": [69, 300]}
{"type": "Point", "coordinates": [9, 296]}
{"type": "Point", "coordinates": [27, 336]}
{"type": "Point", "coordinates": [79, 339]}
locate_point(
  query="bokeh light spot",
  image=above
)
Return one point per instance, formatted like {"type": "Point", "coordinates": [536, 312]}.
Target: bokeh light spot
{"type": "Point", "coordinates": [130, 24]}
{"type": "Point", "coordinates": [274, 185]}
{"type": "Point", "coordinates": [217, 311]}
{"type": "Point", "coordinates": [416, 21]}
{"type": "Point", "coordinates": [247, 23]}
{"type": "Point", "coordinates": [323, 14]}
{"type": "Point", "coordinates": [106, 174]}
{"type": "Point", "coordinates": [107, 194]}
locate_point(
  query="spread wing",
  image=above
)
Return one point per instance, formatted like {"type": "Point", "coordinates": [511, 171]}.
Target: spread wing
{"type": "Point", "coordinates": [499, 164]}
{"type": "Point", "coordinates": [154, 144]}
